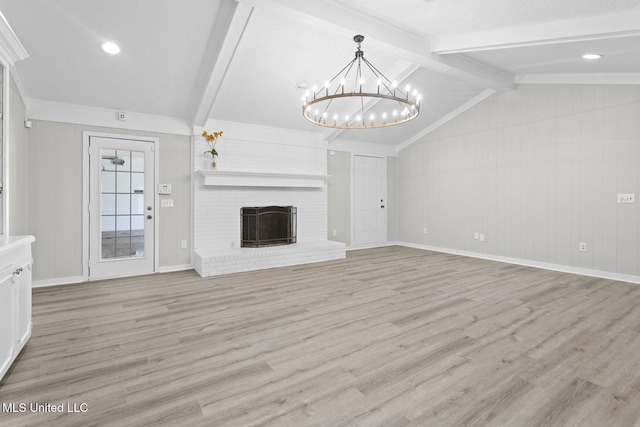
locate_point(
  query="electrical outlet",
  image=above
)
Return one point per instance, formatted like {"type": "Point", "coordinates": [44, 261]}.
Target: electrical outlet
{"type": "Point", "coordinates": [627, 198]}
{"type": "Point", "coordinates": [424, 230]}
{"type": "Point", "coordinates": [183, 244]}
{"type": "Point", "coordinates": [166, 203]}
{"type": "Point", "coordinates": [476, 235]}
{"type": "Point", "coordinates": [482, 237]}
{"type": "Point", "coordinates": [582, 247]}
{"type": "Point", "coordinates": [335, 233]}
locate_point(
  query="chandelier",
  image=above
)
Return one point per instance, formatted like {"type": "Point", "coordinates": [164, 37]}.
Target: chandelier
{"type": "Point", "coordinates": [360, 97]}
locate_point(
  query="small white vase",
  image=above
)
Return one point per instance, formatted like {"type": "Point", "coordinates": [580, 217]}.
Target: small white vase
{"type": "Point", "coordinates": [209, 162]}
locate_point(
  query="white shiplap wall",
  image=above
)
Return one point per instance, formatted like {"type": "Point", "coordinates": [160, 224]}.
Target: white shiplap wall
{"type": "Point", "coordinates": [537, 171]}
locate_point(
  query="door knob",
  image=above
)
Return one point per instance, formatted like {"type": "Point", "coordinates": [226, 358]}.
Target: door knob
{"type": "Point", "coordinates": [148, 208]}
{"type": "Point", "coordinates": [149, 217]}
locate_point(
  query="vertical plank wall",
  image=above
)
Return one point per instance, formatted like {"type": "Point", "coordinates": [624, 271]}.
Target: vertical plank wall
{"type": "Point", "coordinates": [54, 209]}
{"type": "Point", "coordinates": [339, 196]}
{"type": "Point", "coordinates": [17, 190]}
{"type": "Point", "coordinates": [536, 170]}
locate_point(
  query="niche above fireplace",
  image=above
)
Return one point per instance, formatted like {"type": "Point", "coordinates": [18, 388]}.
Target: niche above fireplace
{"type": "Point", "coordinates": [268, 226]}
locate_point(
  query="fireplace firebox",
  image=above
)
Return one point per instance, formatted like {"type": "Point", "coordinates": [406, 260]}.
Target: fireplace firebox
{"type": "Point", "coordinates": [268, 226]}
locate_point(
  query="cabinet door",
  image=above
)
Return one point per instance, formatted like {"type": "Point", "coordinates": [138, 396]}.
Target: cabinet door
{"type": "Point", "coordinates": [24, 303]}
{"type": "Point", "coordinates": [7, 321]}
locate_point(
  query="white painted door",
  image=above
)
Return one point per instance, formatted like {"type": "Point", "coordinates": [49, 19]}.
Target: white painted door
{"type": "Point", "coordinates": [370, 200]}
{"type": "Point", "coordinates": [121, 207]}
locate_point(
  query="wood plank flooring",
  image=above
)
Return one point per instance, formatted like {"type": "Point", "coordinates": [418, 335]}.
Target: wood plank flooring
{"type": "Point", "coordinates": [390, 336]}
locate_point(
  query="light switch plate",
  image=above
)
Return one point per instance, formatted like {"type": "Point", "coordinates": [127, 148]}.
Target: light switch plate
{"type": "Point", "coordinates": [166, 203]}
{"type": "Point", "coordinates": [164, 188]}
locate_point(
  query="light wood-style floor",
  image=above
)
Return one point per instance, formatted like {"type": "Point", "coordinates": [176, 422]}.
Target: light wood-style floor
{"type": "Point", "coordinates": [389, 336]}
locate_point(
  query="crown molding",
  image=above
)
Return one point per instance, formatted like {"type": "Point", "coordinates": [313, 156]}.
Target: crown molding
{"type": "Point", "coordinates": [94, 116]}
{"type": "Point", "coordinates": [11, 50]}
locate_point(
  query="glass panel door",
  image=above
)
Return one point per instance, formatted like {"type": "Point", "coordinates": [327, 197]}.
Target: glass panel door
{"type": "Point", "coordinates": [121, 207]}
{"type": "Point", "coordinates": [122, 204]}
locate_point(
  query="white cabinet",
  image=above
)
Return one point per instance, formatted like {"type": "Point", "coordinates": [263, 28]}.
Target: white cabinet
{"type": "Point", "coordinates": [7, 320]}
{"type": "Point", "coordinates": [15, 297]}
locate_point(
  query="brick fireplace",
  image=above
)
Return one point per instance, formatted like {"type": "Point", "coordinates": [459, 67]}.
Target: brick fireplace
{"type": "Point", "coordinates": [265, 168]}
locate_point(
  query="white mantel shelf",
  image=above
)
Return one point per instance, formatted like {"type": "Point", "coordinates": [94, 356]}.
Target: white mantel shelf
{"type": "Point", "coordinates": [261, 179]}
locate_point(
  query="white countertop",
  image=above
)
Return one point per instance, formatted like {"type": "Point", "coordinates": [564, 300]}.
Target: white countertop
{"type": "Point", "coordinates": [8, 243]}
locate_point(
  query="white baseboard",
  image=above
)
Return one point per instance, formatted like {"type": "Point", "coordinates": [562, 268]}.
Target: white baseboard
{"type": "Point", "coordinates": [79, 279]}
{"type": "Point", "coordinates": [172, 268]}
{"type": "Point", "coordinates": [371, 246]}
{"type": "Point", "coordinates": [57, 281]}
{"type": "Point", "coordinates": [529, 263]}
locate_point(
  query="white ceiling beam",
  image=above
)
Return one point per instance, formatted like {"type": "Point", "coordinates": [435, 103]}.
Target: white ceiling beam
{"type": "Point", "coordinates": [221, 54]}
{"type": "Point", "coordinates": [333, 19]}
{"type": "Point", "coordinates": [584, 29]}
{"type": "Point", "coordinates": [576, 79]}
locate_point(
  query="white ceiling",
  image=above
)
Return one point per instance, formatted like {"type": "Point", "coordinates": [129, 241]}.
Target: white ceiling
{"type": "Point", "coordinates": [241, 61]}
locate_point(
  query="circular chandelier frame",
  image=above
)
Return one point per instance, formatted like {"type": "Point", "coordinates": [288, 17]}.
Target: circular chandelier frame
{"type": "Point", "coordinates": [334, 91]}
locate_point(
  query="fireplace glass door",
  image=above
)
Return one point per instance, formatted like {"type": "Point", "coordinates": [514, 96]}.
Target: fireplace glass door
{"type": "Point", "coordinates": [268, 226]}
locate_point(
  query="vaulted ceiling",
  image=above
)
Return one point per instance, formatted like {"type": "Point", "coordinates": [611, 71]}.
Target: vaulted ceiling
{"type": "Point", "coordinates": [243, 61]}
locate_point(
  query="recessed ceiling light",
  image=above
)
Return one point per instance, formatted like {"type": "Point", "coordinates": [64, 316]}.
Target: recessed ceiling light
{"type": "Point", "coordinates": [110, 47]}
{"type": "Point", "coordinates": [592, 56]}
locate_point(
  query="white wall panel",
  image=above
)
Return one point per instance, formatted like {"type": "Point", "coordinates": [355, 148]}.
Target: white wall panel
{"type": "Point", "coordinates": [19, 164]}
{"type": "Point", "coordinates": [537, 171]}
{"type": "Point", "coordinates": [339, 196]}
{"type": "Point", "coordinates": [55, 197]}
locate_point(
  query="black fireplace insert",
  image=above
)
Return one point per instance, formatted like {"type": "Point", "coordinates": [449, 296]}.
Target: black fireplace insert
{"type": "Point", "coordinates": [268, 226]}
